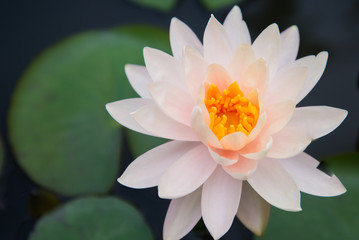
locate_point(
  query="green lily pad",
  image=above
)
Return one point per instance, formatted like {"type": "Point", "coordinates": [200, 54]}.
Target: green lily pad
{"type": "Point", "coordinates": [140, 143]}
{"type": "Point", "coordinates": [58, 125]}
{"type": "Point", "coordinates": [93, 218]}
{"type": "Point", "coordinates": [219, 4]}
{"type": "Point", "coordinates": [160, 5]}
{"type": "Point", "coordinates": [323, 218]}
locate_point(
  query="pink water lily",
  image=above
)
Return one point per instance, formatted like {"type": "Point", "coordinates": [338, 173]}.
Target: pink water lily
{"type": "Point", "coordinates": [229, 107]}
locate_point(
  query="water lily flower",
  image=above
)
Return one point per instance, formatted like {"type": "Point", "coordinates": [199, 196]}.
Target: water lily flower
{"type": "Point", "coordinates": [229, 107]}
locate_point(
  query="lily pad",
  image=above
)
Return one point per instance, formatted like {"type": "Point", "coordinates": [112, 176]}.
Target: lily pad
{"type": "Point", "coordinates": [161, 5]}
{"type": "Point", "coordinates": [58, 125]}
{"type": "Point", "coordinates": [93, 218]}
{"type": "Point", "coordinates": [323, 218]}
{"type": "Point", "coordinates": [218, 4]}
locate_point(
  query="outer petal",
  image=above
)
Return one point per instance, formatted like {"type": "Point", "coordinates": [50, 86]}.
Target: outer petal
{"type": "Point", "coordinates": [303, 169]}
{"type": "Point", "coordinates": [173, 101]}
{"type": "Point", "coordinates": [317, 121]}
{"type": "Point", "coordinates": [223, 157]}
{"type": "Point", "coordinates": [268, 46]}
{"type": "Point", "coordinates": [121, 110]}
{"type": "Point", "coordinates": [290, 45]}
{"type": "Point", "coordinates": [241, 59]}
{"type": "Point", "coordinates": [236, 28]}
{"type": "Point", "coordinates": [287, 85]}
{"type": "Point", "coordinates": [220, 199]}
{"type": "Point", "coordinates": [180, 36]}
{"type": "Point", "coordinates": [217, 46]}
{"type": "Point", "coordinates": [315, 71]}
{"type": "Point", "coordinates": [275, 185]}
{"type": "Point", "coordinates": [242, 169]}
{"type": "Point", "coordinates": [153, 120]}
{"type": "Point", "coordinates": [253, 210]}
{"type": "Point", "coordinates": [163, 67]}
{"type": "Point", "coordinates": [195, 68]}
{"type": "Point", "coordinates": [202, 130]}
{"type": "Point", "coordinates": [288, 142]}
{"type": "Point", "coordinates": [182, 215]}
{"type": "Point", "coordinates": [139, 78]}
{"type": "Point", "coordinates": [147, 169]}
{"type": "Point", "coordinates": [258, 148]}
{"type": "Point", "coordinates": [187, 174]}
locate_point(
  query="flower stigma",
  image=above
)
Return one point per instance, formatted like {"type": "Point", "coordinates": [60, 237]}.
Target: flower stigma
{"type": "Point", "coordinates": [230, 111]}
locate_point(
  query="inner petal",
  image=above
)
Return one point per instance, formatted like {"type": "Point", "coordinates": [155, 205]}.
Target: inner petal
{"type": "Point", "coordinates": [230, 111]}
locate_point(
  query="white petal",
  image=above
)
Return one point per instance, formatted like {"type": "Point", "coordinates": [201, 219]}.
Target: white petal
{"type": "Point", "coordinates": [272, 182]}
{"type": "Point", "coordinates": [153, 120]}
{"type": "Point", "coordinates": [173, 101]}
{"type": "Point", "coordinates": [303, 169]}
{"type": "Point", "coordinates": [139, 78]}
{"type": "Point", "coordinates": [121, 110]}
{"type": "Point", "coordinates": [278, 115]}
{"type": "Point", "coordinates": [146, 170]}
{"type": "Point", "coordinates": [180, 36]}
{"type": "Point", "coordinates": [241, 59]}
{"type": "Point", "coordinates": [315, 71]}
{"type": "Point", "coordinates": [202, 130]}
{"type": "Point", "coordinates": [268, 46]}
{"type": "Point", "coordinates": [182, 215]}
{"type": "Point", "coordinates": [220, 200]}
{"type": "Point", "coordinates": [286, 85]}
{"type": "Point", "coordinates": [290, 45]}
{"type": "Point", "coordinates": [163, 67]}
{"type": "Point", "coordinates": [288, 142]}
{"type": "Point", "coordinates": [187, 174]}
{"type": "Point", "coordinates": [234, 141]}
{"type": "Point", "coordinates": [253, 210]}
{"type": "Point", "coordinates": [218, 75]}
{"type": "Point", "coordinates": [258, 148]}
{"type": "Point", "coordinates": [242, 169]}
{"type": "Point", "coordinates": [223, 157]}
{"type": "Point", "coordinates": [317, 121]}
{"type": "Point", "coordinates": [255, 76]}
{"type": "Point", "coordinates": [236, 28]}
{"type": "Point", "coordinates": [217, 46]}
{"type": "Point", "coordinates": [195, 68]}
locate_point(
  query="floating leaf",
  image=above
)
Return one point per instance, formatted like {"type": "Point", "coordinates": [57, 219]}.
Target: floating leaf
{"type": "Point", "coordinates": [93, 218]}
{"type": "Point", "coordinates": [61, 133]}
{"type": "Point", "coordinates": [161, 5]}
{"type": "Point", "coordinates": [219, 4]}
{"type": "Point", "coordinates": [140, 143]}
{"type": "Point", "coordinates": [323, 218]}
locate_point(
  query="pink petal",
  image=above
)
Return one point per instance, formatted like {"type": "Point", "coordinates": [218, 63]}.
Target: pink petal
{"type": "Point", "coordinates": [236, 28]}
{"type": "Point", "coordinates": [288, 142]}
{"type": "Point", "coordinates": [234, 141]}
{"type": "Point", "coordinates": [153, 120]}
{"type": "Point", "coordinates": [195, 68]}
{"type": "Point", "coordinates": [138, 78]}
{"type": "Point", "coordinates": [287, 85]}
{"type": "Point", "coordinates": [268, 46]}
{"type": "Point", "coordinates": [303, 169]}
{"type": "Point", "coordinates": [223, 157]}
{"type": "Point", "coordinates": [253, 210]}
{"type": "Point", "coordinates": [278, 115]}
{"type": "Point", "coordinates": [272, 182]}
{"type": "Point", "coordinates": [182, 215]}
{"type": "Point", "coordinates": [173, 101]}
{"type": "Point", "coordinates": [259, 126]}
{"type": "Point", "coordinates": [255, 76]}
{"type": "Point", "coordinates": [180, 36]}
{"type": "Point", "coordinates": [218, 76]}
{"type": "Point", "coordinates": [315, 71]}
{"type": "Point", "coordinates": [204, 133]}
{"type": "Point", "coordinates": [220, 200]}
{"type": "Point", "coordinates": [216, 43]}
{"type": "Point", "coordinates": [241, 59]}
{"type": "Point", "coordinates": [258, 148]}
{"type": "Point", "coordinates": [290, 45]}
{"type": "Point", "coordinates": [187, 174]}
{"type": "Point", "coordinates": [242, 169]}
{"type": "Point", "coordinates": [163, 67]}
{"type": "Point", "coordinates": [147, 169]}
{"type": "Point", "coordinates": [317, 121]}
{"type": "Point", "coordinates": [121, 110]}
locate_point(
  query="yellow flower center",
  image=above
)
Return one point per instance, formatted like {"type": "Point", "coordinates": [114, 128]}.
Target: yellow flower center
{"type": "Point", "coordinates": [230, 111]}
